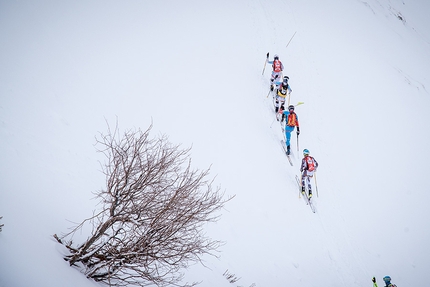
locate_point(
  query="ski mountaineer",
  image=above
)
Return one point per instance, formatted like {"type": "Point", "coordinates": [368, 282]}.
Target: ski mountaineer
{"type": "Point", "coordinates": [277, 67]}
{"type": "Point", "coordinates": [292, 121]}
{"type": "Point", "coordinates": [308, 167]}
{"type": "Point", "coordinates": [387, 280]}
{"type": "Point", "coordinates": [282, 91]}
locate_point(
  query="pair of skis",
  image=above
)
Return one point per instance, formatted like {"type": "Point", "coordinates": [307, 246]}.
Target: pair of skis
{"type": "Point", "coordinates": [305, 195]}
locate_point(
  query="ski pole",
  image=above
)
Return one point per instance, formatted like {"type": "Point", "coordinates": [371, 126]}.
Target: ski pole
{"type": "Point", "coordinates": [272, 122]}
{"type": "Point", "coordinates": [316, 187]}
{"type": "Point", "coordinates": [291, 39]}
{"type": "Point", "coordinates": [267, 58]}
{"type": "Point", "coordinates": [299, 194]}
{"type": "Point", "coordinates": [374, 282]}
{"type": "Point", "coordinates": [298, 104]}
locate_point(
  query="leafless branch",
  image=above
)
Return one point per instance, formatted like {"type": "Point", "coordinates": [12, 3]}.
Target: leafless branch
{"type": "Point", "coordinates": [153, 210]}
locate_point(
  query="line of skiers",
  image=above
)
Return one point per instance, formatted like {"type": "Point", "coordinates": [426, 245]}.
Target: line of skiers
{"type": "Point", "coordinates": [282, 89]}
{"type": "Point", "coordinates": [309, 165]}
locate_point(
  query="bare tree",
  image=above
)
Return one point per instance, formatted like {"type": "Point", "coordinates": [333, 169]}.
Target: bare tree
{"type": "Point", "coordinates": [154, 208]}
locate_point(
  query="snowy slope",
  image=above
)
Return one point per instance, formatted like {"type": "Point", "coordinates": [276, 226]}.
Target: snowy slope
{"type": "Point", "coordinates": [194, 68]}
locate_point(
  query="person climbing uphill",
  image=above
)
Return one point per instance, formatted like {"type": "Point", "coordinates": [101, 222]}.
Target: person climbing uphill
{"type": "Point", "coordinates": [277, 68]}
{"type": "Point", "coordinates": [292, 121]}
{"type": "Point", "coordinates": [308, 167]}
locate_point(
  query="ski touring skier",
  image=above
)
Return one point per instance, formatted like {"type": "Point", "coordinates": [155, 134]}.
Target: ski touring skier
{"type": "Point", "coordinates": [291, 121]}
{"type": "Point", "coordinates": [308, 167]}
{"type": "Point", "coordinates": [387, 280]}
{"type": "Point", "coordinates": [282, 91]}
{"type": "Point", "coordinates": [277, 68]}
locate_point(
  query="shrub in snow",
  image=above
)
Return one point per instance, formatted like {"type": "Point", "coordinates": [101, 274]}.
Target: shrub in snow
{"type": "Point", "coordinates": [154, 207]}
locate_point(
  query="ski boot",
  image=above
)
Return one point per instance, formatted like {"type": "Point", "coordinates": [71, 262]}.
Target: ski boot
{"type": "Point", "coordinates": [288, 150]}
{"type": "Point", "coordinates": [303, 190]}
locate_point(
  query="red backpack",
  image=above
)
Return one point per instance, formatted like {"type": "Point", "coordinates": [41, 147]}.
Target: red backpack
{"type": "Point", "coordinates": [310, 163]}
{"type": "Point", "coordinates": [277, 66]}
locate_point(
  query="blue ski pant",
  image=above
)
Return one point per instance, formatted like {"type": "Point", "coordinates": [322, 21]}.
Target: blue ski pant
{"type": "Point", "coordinates": [288, 131]}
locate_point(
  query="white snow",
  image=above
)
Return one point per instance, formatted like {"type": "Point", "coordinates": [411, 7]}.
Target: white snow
{"type": "Point", "coordinates": [194, 69]}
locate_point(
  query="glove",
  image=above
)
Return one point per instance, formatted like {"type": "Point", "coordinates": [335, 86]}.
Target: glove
{"type": "Point", "coordinates": [373, 280]}
{"type": "Point", "coordinates": [298, 130]}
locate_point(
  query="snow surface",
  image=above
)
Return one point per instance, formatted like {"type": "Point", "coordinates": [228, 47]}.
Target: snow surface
{"type": "Point", "coordinates": [194, 69]}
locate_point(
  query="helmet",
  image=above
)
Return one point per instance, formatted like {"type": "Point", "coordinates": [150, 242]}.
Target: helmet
{"type": "Point", "coordinates": [286, 78]}
{"type": "Point", "coordinates": [291, 107]}
{"type": "Point", "coordinates": [387, 279]}
{"type": "Point", "coordinates": [276, 57]}
{"type": "Point", "coordinates": [305, 151]}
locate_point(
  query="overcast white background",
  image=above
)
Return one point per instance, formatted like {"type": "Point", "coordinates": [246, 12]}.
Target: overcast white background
{"type": "Point", "coordinates": [194, 69]}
